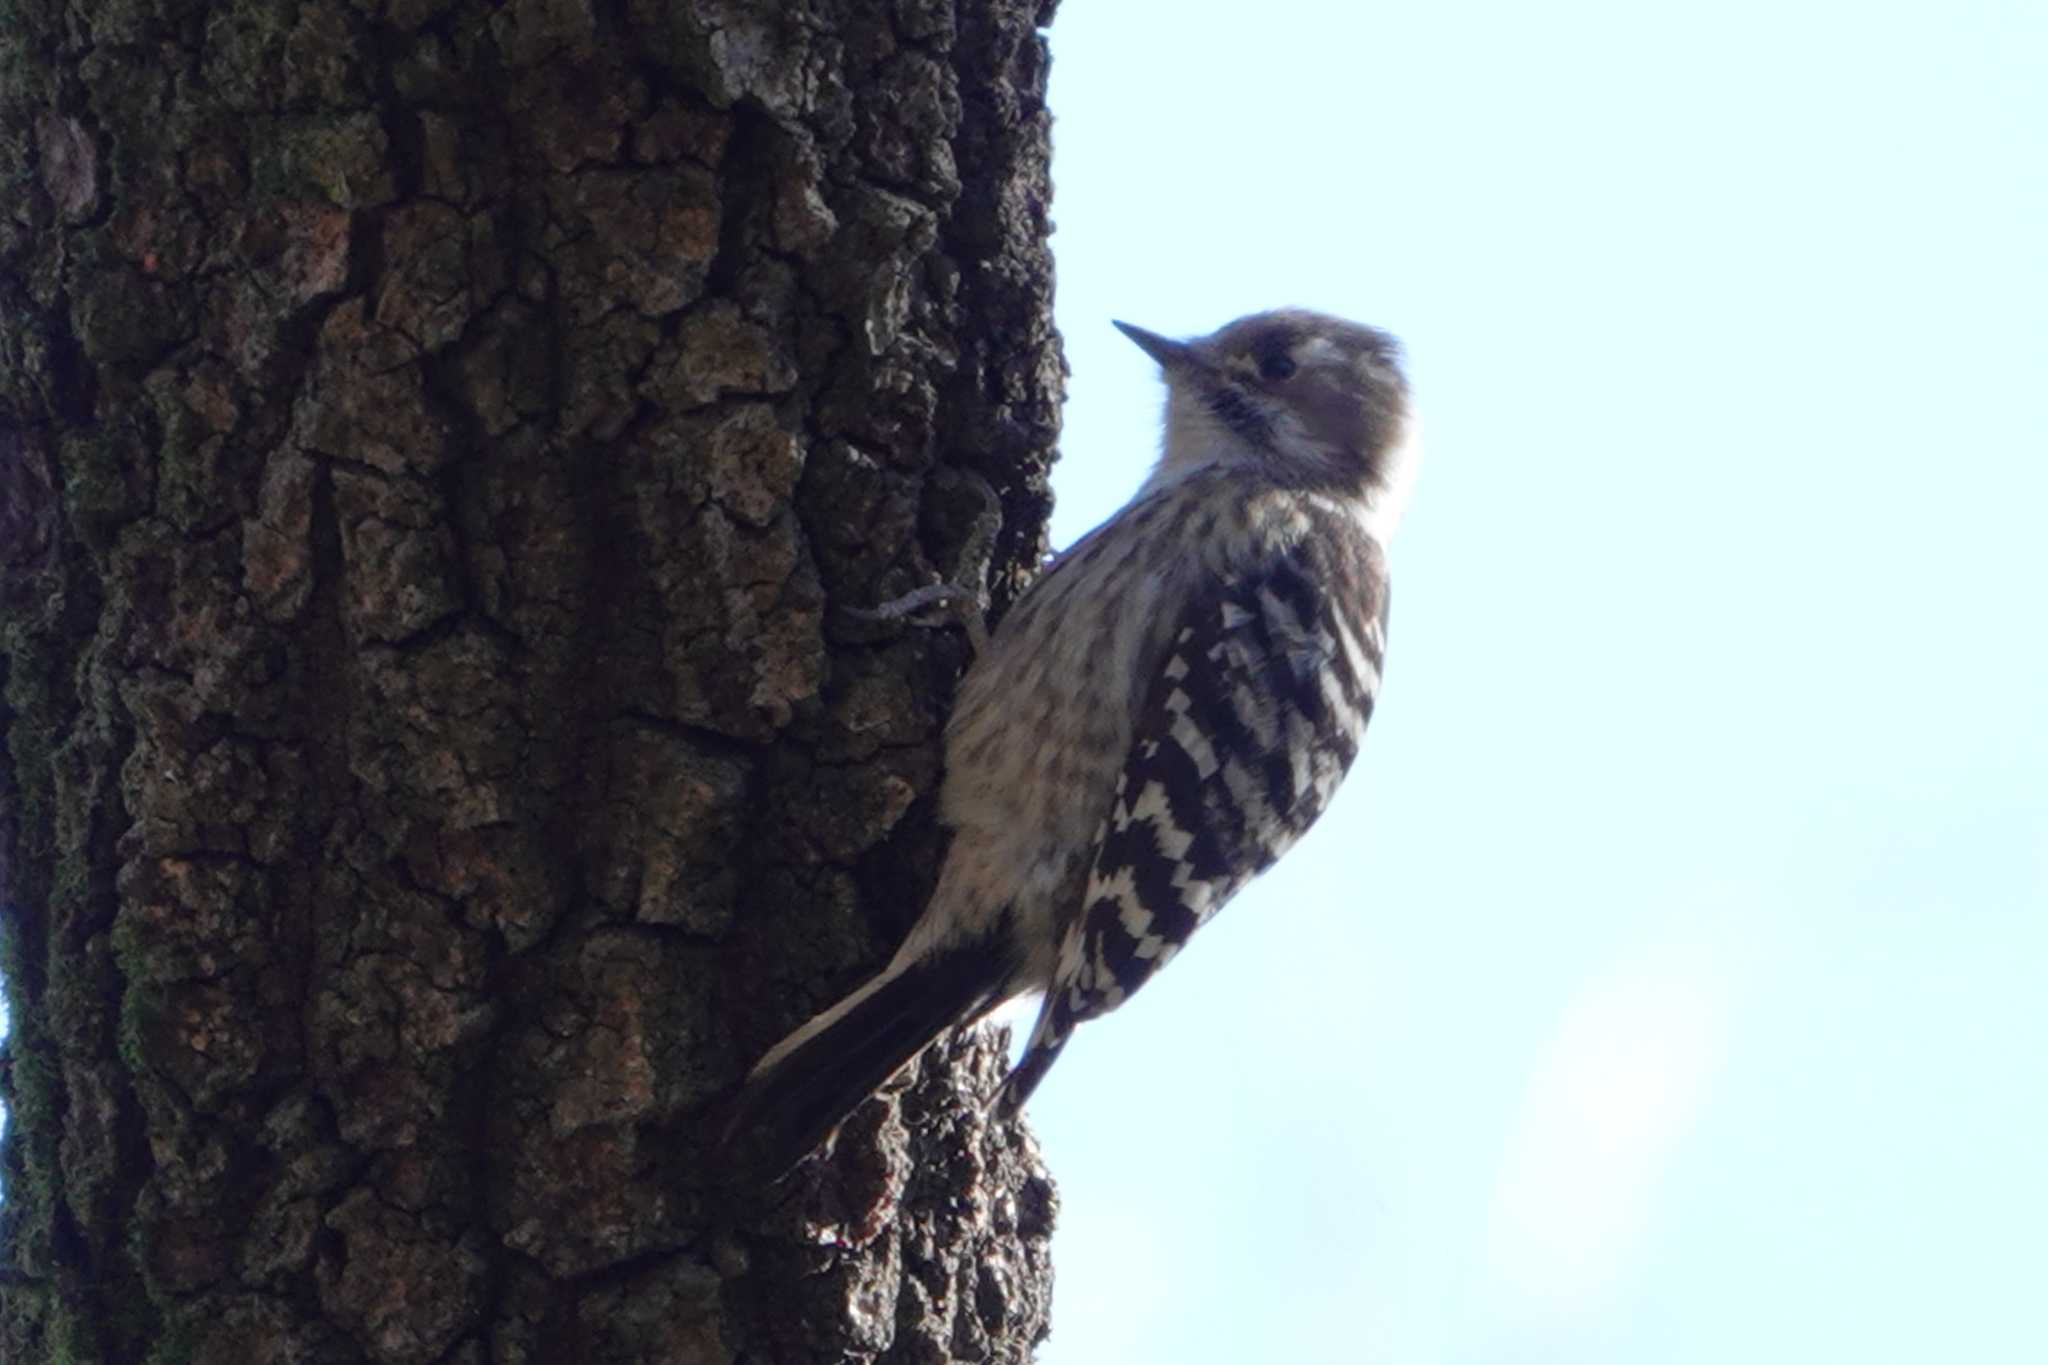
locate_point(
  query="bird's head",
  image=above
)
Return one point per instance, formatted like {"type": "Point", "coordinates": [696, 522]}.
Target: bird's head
{"type": "Point", "coordinates": [1309, 400]}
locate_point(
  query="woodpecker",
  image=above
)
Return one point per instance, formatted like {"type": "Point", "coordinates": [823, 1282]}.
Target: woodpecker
{"type": "Point", "coordinates": [1156, 720]}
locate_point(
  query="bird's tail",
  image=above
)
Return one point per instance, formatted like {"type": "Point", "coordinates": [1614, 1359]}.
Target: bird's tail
{"type": "Point", "coordinates": [811, 1080]}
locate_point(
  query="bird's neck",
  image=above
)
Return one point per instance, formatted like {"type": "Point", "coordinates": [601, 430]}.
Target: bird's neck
{"type": "Point", "coordinates": [1196, 444]}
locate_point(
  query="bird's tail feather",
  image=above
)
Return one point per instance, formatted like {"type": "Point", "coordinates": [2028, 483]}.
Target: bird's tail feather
{"type": "Point", "coordinates": [810, 1081]}
{"type": "Point", "coordinates": [1055, 1022]}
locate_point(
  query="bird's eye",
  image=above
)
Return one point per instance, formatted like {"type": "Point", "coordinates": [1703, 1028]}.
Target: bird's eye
{"type": "Point", "coordinates": [1278, 365]}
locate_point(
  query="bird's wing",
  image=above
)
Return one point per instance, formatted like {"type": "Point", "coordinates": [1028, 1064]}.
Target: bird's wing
{"type": "Point", "coordinates": [1241, 739]}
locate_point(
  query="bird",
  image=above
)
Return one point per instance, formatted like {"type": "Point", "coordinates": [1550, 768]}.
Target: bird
{"type": "Point", "coordinates": [1158, 717]}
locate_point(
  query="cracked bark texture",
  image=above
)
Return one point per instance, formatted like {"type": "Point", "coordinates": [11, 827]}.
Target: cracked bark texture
{"type": "Point", "coordinates": [440, 444]}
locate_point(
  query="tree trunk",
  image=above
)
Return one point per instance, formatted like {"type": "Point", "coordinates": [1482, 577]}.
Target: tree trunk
{"type": "Point", "coordinates": [440, 444]}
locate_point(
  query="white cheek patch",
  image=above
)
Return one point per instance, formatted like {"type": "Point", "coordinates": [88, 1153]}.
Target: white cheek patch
{"type": "Point", "coordinates": [1404, 457]}
{"type": "Point", "coordinates": [1317, 351]}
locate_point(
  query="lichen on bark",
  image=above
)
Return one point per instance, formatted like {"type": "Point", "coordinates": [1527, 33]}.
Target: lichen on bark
{"type": "Point", "coordinates": [441, 445]}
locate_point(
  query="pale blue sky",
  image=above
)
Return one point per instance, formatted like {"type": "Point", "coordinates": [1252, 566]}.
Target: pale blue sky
{"type": "Point", "coordinates": [1668, 983]}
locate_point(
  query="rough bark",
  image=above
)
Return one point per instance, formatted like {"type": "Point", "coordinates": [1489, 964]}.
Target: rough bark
{"type": "Point", "coordinates": [440, 444]}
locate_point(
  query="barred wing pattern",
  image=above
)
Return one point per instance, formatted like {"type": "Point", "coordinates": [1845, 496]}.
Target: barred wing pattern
{"type": "Point", "coordinates": [1244, 735]}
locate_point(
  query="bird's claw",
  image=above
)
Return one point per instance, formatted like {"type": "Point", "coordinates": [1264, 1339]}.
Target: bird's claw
{"type": "Point", "coordinates": [935, 604]}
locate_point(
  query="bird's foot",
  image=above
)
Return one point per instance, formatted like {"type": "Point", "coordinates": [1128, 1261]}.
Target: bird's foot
{"type": "Point", "coordinates": [935, 604]}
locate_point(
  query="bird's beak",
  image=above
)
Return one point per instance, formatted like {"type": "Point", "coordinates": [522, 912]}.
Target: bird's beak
{"type": "Point", "coordinates": [1172, 355]}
